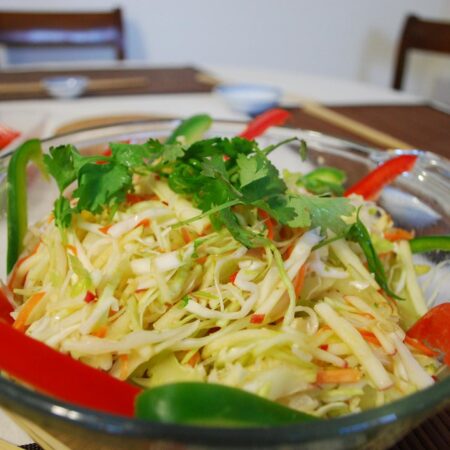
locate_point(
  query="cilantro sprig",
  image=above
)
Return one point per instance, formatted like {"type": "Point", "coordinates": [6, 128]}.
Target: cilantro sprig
{"type": "Point", "coordinates": [215, 174]}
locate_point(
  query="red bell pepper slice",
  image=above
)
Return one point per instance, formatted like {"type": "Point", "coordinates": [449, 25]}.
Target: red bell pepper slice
{"type": "Point", "coordinates": [384, 174]}
{"type": "Point", "coordinates": [61, 376]}
{"type": "Point", "coordinates": [7, 135]}
{"type": "Point", "coordinates": [261, 123]}
{"type": "Point", "coordinates": [433, 330]}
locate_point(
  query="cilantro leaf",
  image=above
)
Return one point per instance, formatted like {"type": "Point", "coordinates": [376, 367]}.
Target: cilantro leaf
{"type": "Point", "coordinates": [325, 212]}
{"type": "Point", "coordinates": [246, 237]}
{"type": "Point", "coordinates": [101, 185]}
{"type": "Point", "coordinates": [142, 155]}
{"type": "Point", "coordinates": [61, 166]}
{"type": "Point", "coordinates": [259, 178]}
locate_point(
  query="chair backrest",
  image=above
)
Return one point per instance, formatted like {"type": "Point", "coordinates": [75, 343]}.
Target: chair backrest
{"type": "Point", "coordinates": [63, 29]}
{"type": "Point", "coordinates": [421, 35]}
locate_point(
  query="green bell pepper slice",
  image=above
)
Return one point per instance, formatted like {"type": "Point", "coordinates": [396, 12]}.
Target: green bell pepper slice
{"type": "Point", "coordinates": [190, 130]}
{"type": "Point", "coordinates": [212, 405]}
{"type": "Point", "coordinates": [425, 244]}
{"type": "Point", "coordinates": [17, 214]}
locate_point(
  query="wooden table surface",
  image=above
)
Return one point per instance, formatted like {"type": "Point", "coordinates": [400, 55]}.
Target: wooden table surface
{"type": "Point", "coordinates": [419, 125]}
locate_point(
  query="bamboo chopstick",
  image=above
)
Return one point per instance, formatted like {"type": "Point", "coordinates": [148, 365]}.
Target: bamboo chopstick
{"type": "Point", "coordinates": [367, 132]}
{"type": "Point", "coordinates": [355, 127]}
{"type": "Point", "coordinates": [39, 435]}
{"type": "Point", "coordinates": [93, 85]}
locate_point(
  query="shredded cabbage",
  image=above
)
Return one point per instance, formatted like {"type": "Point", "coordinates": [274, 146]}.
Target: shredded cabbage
{"type": "Point", "coordinates": [188, 302]}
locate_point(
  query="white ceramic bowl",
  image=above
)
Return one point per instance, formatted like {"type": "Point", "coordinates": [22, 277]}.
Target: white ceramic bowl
{"type": "Point", "coordinates": [249, 98]}
{"type": "Point", "coordinates": [65, 87]}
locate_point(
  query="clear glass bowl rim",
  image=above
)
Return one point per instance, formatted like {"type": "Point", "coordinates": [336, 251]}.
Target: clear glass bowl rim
{"type": "Point", "coordinates": [421, 403]}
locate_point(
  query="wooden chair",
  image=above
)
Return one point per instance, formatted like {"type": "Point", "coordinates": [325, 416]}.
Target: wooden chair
{"type": "Point", "coordinates": [63, 29]}
{"type": "Point", "coordinates": [420, 35]}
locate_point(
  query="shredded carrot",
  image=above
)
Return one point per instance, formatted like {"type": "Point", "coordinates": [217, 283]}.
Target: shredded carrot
{"type": "Point", "coordinates": [123, 366]}
{"type": "Point", "coordinates": [72, 248]}
{"type": "Point", "coordinates": [132, 199]}
{"type": "Point", "coordinates": [105, 229]}
{"type": "Point", "coordinates": [14, 281]}
{"type": "Point", "coordinates": [270, 223]}
{"type": "Point", "coordinates": [100, 332]}
{"type": "Point", "coordinates": [422, 348]}
{"type": "Point", "coordinates": [144, 222]}
{"type": "Point", "coordinates": [21, 322]}
{"type": "Point", "coordinates": [369, 337]}
{"type": "Point", "coordinates": [257, 318]}
{"type": "Point", "coordinates": [332, 376]}
{"type": "Point", "coordinates": [288, 252]}
{"type": "Point", "coordinates": [186, 235]}
{"type": "Point", "coordinates": [201, 260]}
{"type": "Point", "coordinates": [299, 280]}
{"type": "Point", "coordinates": [194, 359]}
{"type": "Point", "coordinates": [398, 234]}
{"type": "Point", "coordinates": [51, 218]}
{"type": "Point", "coordinates": [206, 230]}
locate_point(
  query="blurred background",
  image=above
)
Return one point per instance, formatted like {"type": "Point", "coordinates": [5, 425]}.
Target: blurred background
{"type": "Point", "coordinates": [350, 39]}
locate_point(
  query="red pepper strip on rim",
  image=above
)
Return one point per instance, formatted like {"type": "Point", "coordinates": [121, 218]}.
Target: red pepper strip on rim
{"type": "Point", "coordinates": [7, 135]}
{"type": "Point", "coordinates": [261, 123]}
{"type": "Point", "coordinates": [433, 330]}
{"type": "Point", "coordinates": [5, 308]}
{"type": "Point", "coordinates": [61, 376]}
{"type": "Point", "coordinates": [370, 185]}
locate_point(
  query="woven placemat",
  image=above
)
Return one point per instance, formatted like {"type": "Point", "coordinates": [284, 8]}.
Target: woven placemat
{"type": "Point", "coordinates": [170, 80]}
{"type": "Point", "coordinates": [420, 125]}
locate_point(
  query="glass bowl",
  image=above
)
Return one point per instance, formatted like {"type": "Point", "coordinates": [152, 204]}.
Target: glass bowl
{"type": "Point", "coordinates": [417, 200]}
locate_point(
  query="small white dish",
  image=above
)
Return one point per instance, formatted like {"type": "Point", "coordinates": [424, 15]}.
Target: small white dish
{"type": "Point", "coordinates": [249, 98]}
{"type": "Point", "coordinates": [65, 87]}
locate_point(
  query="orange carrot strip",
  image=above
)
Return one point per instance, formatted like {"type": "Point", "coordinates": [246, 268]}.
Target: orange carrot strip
{"type": "Point", "coordinates": [13, 282]}
{"type": "Point", "coordinates": [299, 280]}
{"type": "Point", "coordinates": [105, 229]}
{"type": "Point", "coordinates": [72, 248]}
{"type": "Point", "coordinates": [100, 332]}
{"type": "Point", "coordinates": [332, 376]}
{"type": "Point", "coordinates": [288, 252]}
{"type": "Point", "coordinates": [369, 337]}
{"type": "Point", "coordinates": [21, 321]}
{"type": "Point", "coordinates": [270, 223]}
{"type": "Point", "coordinates": [132, 199]}
{"type": "Point", "coordinates": [144, 222]}
{"type": "Point", "coordinates": [398, 234]}
{"type": "Point", "coordinates": [422, 348]}
{"type": "Point", "coordinates": [194, 359]}
{"type": "Point", "coordinates": [186, 235]}
{"type": "Point", "coordinates": [201, 260]}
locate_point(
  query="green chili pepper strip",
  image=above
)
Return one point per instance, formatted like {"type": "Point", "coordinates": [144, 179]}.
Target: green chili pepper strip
{"type": "Point", "coordinates": [190, 130]}
{"type": "Point", "coordinates": [17, 197]}
{"type": "Point", "coordinates": [358, 233]}
{"type": "Point", "coordinates": [323, 180]}
{"type": "Point", "coordinates": [425, 244]}
{"type": "Point", "coordinates": [212, 405]}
